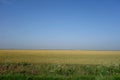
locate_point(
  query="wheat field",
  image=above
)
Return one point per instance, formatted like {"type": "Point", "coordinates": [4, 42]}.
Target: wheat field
{"type": "Point", "coordinates": [60, 56]}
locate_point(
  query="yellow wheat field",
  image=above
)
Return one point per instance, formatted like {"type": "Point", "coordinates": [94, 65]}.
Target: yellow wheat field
{"type": "Point", "coordinates": [60, 56]}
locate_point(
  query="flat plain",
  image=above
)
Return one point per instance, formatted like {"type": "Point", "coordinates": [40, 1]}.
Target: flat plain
{"type": "Point", "coordinates": [60, 56]}
{"type": "Point", "coordinates": [59, 65]}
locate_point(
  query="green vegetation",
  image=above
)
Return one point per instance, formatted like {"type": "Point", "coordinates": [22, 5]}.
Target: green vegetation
{"type": "Point", "coordinates": [25, 71]}
{"type": "Point", "coordinates": [59, 65]}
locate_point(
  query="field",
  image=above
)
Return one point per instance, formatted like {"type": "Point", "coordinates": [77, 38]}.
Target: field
{"type": "Point", "coordinates": [59, 65]}
{"type": "Point", "coordinates": [60, 56]}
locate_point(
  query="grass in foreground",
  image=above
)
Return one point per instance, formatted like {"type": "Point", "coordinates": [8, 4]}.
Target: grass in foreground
{"type": "Point", "coordinates": [25, 71]}
{"type": "Point", "coordinates": [59, 65]}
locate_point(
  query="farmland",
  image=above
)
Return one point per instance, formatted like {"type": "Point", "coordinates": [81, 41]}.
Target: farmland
{"type": "Point", "coordinates": [60, 56]}
{"type": "Point", "coordinates": [59, 65]}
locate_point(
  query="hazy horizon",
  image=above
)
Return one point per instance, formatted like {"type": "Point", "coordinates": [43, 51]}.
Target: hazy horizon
{"type": "Point", "coordinates": [60, 24]}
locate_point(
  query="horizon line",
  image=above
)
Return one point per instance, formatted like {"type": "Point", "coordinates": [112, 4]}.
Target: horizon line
{"type": "Point", "coordinates": [64, 49]}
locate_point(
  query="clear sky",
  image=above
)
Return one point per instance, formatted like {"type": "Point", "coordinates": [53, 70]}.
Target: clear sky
{"type": "Point", "coordinates": [60, 24]}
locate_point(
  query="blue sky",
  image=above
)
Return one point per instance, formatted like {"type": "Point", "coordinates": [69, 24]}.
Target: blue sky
{"type": "Point", "coordinates": [60, 24]}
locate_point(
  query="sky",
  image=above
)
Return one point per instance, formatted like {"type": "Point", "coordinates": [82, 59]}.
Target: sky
{"type": "Point", "coordinates": [60, 24]}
